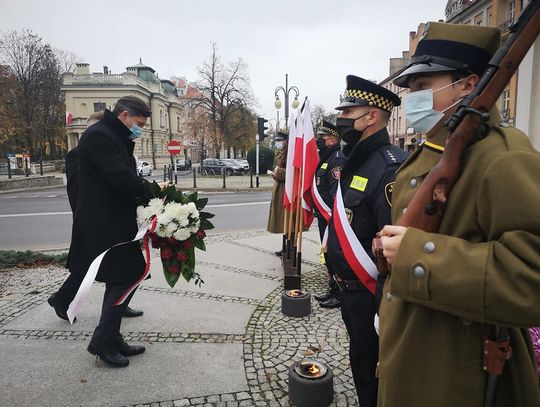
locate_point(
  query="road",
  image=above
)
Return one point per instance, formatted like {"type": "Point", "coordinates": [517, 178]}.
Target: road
{"type": "Point", "coordinates": [42, 219]}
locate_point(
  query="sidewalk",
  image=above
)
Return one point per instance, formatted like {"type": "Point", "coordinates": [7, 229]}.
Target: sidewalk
{"type": "Point", "coordinates": [224, 344]}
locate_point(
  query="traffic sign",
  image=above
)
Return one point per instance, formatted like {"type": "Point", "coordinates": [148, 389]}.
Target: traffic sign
{"type": "Point", "coordinates": [173, 147]}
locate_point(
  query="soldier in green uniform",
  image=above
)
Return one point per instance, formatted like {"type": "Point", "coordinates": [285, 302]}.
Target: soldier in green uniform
{"type": "Point", "coordinates": [331, 161]}
{"type": "Point", "coordinates": [447, 289]}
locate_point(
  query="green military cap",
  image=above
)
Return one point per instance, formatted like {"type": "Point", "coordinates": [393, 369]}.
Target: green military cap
{"type": "Point", "coordinates": [283, 134]}
{"type": "Point", "coordinates": [452, 47]}
{"type": "Point", "coordinates": [326, 128]}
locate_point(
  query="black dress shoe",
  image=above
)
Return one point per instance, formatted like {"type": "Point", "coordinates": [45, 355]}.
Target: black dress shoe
{"type": "Point", "coordinates": [111, 356]}
{"type": "Point", "coordinates": [323, 297]}
{"type": "Point", "coordinates": [332, 302]}
{"type": "Point", "coordinates": [279, 253]}
{"type": "Point", "coordinates": [132, 313]}
{"type": "Point", "coordinates": [60, 311]}
{"type": "Point", "coordinates": [128, 350]}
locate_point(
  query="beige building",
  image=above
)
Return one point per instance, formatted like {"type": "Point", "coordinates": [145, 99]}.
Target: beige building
{"type": "Point", "coordinates": [86, 93]}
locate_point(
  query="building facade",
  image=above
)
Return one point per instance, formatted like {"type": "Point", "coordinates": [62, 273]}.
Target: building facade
{"type": "Point", "coordinates": [86, 93]}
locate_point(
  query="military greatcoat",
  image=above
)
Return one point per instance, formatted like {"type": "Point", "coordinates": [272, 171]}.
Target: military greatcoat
{"type": "Point", "coordinates": [447, 288]}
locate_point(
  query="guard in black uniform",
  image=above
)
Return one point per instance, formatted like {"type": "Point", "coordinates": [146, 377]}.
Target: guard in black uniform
{"type": "Point", "coordinates": [366, 182]}
{"type": "Point", "coordinates": [331, 161]}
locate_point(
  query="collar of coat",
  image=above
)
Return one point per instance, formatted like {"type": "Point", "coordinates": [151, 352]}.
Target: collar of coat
{"type": "Point", "coordinates": [327, 153]}
{"type": "Point", "coordinates": [119, 129]}
{"type": "Point", "coordinates": [360, 152]}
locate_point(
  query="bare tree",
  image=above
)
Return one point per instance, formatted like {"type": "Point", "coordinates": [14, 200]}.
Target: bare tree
{"type": "Point", "coordinates": [39, 102]}
{"type": "Point", "coordinates": [225, 88]}
{"type": "Point", "coordinates": [66, 59]}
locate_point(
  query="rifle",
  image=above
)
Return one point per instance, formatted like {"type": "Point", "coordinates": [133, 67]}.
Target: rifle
{"type": "Point", "coordinates": [466, 126]}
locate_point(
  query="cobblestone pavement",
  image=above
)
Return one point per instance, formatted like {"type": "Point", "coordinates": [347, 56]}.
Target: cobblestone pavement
{"type": "Point", "coordinates": [271, 341]}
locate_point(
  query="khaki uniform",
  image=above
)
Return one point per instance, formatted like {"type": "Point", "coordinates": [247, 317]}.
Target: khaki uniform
{"type": "Point", "coordinates": [483, 268]}
{"type": "Point", "coordinates": [276, 214]}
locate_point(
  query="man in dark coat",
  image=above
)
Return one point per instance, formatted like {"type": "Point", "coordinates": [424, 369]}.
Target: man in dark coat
{"type": "Point", "coordinates": [331, 162]}
{"type": "Point", "coordinates": [106, 215]}
{"type": "Point", "coordinates": [366, 183]}
{"type": "Point", "coordinates": [61, 299]}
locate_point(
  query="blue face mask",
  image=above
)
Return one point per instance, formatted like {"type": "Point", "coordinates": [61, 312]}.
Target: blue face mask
{"type": "Point", "coordinates": [419, 111]}
{"type": "Point", "coordinates": [136, 132]}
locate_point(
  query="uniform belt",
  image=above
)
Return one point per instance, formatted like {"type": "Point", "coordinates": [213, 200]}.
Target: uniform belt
{"type": "Point", "coordinates": [349, 285]}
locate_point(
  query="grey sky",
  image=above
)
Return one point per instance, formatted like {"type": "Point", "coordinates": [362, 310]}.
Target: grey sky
{"type": "Point", "coordinates": [317, 42]}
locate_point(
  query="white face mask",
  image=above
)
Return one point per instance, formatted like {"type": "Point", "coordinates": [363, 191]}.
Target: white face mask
{"type": "Point", "coordinates": [279, 145]}
{"type": "Point", "coordinates": [419, 109]}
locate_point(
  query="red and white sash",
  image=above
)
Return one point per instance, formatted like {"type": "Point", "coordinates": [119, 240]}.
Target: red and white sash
{"type": "Point", "coordinates": [323, 208]}
{"type": "Point", "coordinates": [355, 254]}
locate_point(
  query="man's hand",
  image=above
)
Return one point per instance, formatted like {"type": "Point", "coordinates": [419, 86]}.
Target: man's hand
{"type": "Point", "coordinates": [391, 237]}
{"type": "Point", "coordinates": [163, 184]}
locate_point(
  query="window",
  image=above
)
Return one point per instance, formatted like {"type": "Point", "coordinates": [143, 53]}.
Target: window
{"type": "Point", "coordinates": [177, 123]}
{"type": "Point", "coordinates": [99, 107]}
{"type": "Point", "coordinates": [489, 15]}
{"type": "Point", "coordinates": [511, 10]}
{"type": "Point", "coordinates": [505, 106]}
{"type": "Point", "coordinates": [478, 19]}
{"type": "Point", "coordinates": [161, 121]}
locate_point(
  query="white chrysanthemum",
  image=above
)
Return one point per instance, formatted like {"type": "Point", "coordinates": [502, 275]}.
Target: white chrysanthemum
{"type": "Point", "coordinates": [184, 222]}
{"type": "Point", "coordinates": [165, 218]}
{"type": "Point", "coordinates": [155, 205]}
{"type": "Point", "coordinates": [160, 231]}
{"type": "Point", "coordinates": [141, 214]}
{"type": "Point", "coordinates": [182, 234]}
{"type": "Point", "coordinates": [170, 229]}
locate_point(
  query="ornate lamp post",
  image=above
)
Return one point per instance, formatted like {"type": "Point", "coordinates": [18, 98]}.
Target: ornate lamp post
{"type": "Point", "coordinates": [286, 92]}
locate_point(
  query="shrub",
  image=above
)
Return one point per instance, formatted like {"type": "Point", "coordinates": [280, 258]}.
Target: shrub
{"type": "Point", "coordinates": [266, 159]}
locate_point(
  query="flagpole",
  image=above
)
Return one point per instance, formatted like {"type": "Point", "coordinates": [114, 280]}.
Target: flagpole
{"type": "Point", "coordinates": [298, 216]}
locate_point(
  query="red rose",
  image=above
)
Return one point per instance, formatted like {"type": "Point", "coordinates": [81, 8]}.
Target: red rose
{"type": "Point", "coordinates": [200, 233]}
{"type": "Point", "coordinates": [187, 244]}
{"type": "Point", "coordinates": [181, 256]}
{"type": "Point", "coordinates": [174, 269]}
{"type": "Point", "coordinates": [166, 254]}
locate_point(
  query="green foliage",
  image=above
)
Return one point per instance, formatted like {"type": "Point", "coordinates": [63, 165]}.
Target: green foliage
{"type": "Point", "coordinates": [266, 159]}
{"type": "Point", "coordinates": [28, 258]}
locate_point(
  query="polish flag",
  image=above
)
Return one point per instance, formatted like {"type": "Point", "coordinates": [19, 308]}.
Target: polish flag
{"type": "Point", "coordinates": [69, 119]}
{"type": "Point", "coordinates": [310, 162]}
{"type": "Point", "coordinates": [290, 190]}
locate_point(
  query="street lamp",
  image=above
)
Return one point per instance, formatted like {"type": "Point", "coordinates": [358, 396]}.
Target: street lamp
{"type": "Point", "coordinates": [286, 92]}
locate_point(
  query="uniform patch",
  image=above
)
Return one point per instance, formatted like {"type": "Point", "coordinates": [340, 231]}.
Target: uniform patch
{"type": "Point", "coordinates": [336, 172]}
{"type": "Point", "coordinates": [349, 214]}
{"type": "Point", "coordinates": [388, 189]}
{"type": "Point", "coordinates": [324, 166]}
{"type": "Point", "coordinates": [359, 183]}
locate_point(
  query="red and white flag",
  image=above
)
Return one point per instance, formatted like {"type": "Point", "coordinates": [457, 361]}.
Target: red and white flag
{"type": "Point", "coordinates": [289, 194]}
{"type": "Point", "coordinates": [323, 208]}
{"type": "Point", "coordinates": [69, 119]}
{"type": "Point", "coordinates": [356, 256]}
{"type": "Point", "coordinates": [310, 162]}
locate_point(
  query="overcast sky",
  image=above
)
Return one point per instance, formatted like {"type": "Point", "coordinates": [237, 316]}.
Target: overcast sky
{"type": "Point", "coordinates": [317, 42]}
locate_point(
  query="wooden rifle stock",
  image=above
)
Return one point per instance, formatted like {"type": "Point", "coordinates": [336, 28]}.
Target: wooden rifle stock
{"type": "Point", "coordinates": [426, 209]}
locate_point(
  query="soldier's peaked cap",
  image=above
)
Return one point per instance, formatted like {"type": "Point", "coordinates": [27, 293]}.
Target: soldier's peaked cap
{"type": "Point", "coordinates": [282, 134]}
{"type": "Point", "coordinates": [326, 128]}
{"type": "Point", "coordinates": [361, 92]}
{"type": "Point", "coordinates": [447, 47]}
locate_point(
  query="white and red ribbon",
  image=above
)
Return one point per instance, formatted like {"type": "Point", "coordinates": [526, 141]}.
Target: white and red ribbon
{"type": "Point", "coordinates": [323, 208]}
{"type": "Point", "coordinates": [91, 274]}
{"type": "Point", "coordinates": [356, 256]}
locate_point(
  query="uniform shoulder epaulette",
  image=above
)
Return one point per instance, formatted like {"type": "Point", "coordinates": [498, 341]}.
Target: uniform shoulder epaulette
{"type": "Point", "coordinates": [393, 155]}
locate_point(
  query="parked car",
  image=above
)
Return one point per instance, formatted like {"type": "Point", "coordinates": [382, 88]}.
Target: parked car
{"type": "Point", "coordinates": [215, 166]}
{"type": "Point", "coordinates": [242, 163]}
{"type": "Point", "coordinates": [183, 163]}
{"type": "Point", "coordinates": [143, 168]}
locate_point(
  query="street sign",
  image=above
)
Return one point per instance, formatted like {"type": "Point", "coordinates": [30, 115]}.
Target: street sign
{"type": "Point", "coordinates": [173, 147]}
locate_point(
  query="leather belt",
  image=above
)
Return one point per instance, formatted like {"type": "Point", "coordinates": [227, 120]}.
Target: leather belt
{"type": "Point", "coordinates": [349, 285]}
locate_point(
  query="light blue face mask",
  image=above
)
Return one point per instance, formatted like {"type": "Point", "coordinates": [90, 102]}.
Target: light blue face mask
{"type": "Point", "coordinates": [419, 111]}
{"type": "Point", "coordinates": [136, 131]}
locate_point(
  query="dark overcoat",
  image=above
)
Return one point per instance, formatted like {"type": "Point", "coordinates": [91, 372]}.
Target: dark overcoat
{"type": "Point", "coordinates": [106, 205]}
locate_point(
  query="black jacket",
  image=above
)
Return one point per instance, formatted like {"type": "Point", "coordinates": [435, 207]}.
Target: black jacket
{"type": "Point", "coordinates": [106, 206]}
{"type": "Point", "coordinates": [366, 184]}
{"type": "Point", "coordinates": [72, 177]}
{"type": "Point", "coordinates": [331, 162]}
